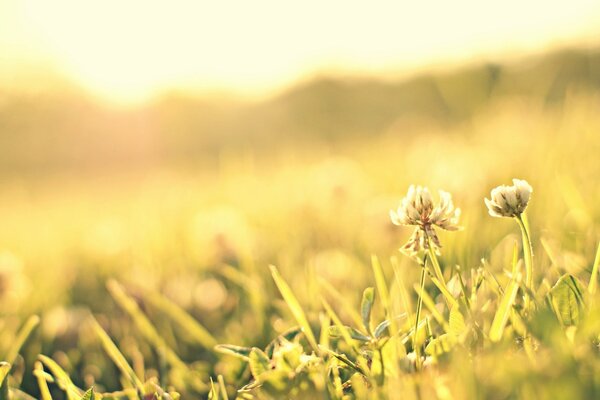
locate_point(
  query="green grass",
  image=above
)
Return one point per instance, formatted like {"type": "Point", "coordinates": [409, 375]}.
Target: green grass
{"type": "Point", "coordinates": [162, 286]}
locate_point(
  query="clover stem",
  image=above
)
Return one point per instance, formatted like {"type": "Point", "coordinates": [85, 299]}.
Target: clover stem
{"type": "Point", "coordinates": [438, 270]}
{"type": "Point", "coordinates": [418, 315]}
{"type": "Point", "coordinates": [436, 264]}
{"type": "Point", "coordinates": [528, 257]}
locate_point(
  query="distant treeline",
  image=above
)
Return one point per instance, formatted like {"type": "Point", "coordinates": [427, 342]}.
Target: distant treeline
{"type": "Point", "coordinates": [68, 130]}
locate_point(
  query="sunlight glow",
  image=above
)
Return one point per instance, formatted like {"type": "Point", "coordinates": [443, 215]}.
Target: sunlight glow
{"type": "Point", "coordinates": [129, 50]}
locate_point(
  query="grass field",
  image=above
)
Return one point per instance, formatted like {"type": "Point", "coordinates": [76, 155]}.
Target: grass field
{"type": "Point", "coordinates": [250, 279]}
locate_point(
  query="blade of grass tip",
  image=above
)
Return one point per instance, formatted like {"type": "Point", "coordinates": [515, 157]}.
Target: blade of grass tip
{"type": "Point", "coordinates": [593, 286]}
{"type": "Point", "coordinates": [38, 372]}
{"type": "Point", "coordinates": [366, 306]}
{"type": "Point", "coordinates": [294, 306]}
{"type": "Point", "coordinates": [116, 356]}
{"type": "Point", "coordinates": [61, 378]}
{"type": "Point", "coordinates": [338, 323]}
{"type": "Point", "coordinates": [21, 338]}
{"type": "Point", "coordinates": [143, 324]}
{"type": "Point", "coordinates": [89, 394]}
{"type": "Point", "coordinates": [213, 394]}
{"type": "Point", "coordinates": [4, 370]}
{"type": "Point", "coordinates": [503, 312]}
{"type": "Point", "coordinates": [200, 334]}
{"type": "Point", "coordinates": [348, 309]}
{"type": "Point", "coordinates": [222, 387]}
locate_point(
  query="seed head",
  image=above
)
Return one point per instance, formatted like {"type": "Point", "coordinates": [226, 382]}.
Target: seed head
{"type": "Point", "coordinates": [417, 208]}
{"type": "Point", "coordinates": [509, 201]}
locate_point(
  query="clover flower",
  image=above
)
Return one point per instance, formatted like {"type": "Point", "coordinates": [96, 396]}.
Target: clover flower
{"type": "Point", "coordinates": [509, 201]}
{"type": "Point", "coordinates": [417, 209]}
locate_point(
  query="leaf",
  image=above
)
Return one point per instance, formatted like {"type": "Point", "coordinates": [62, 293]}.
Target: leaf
{"type": "Point", "coordinates": [566, 297]}
{"type": "Point", "coordinates": [503, 312]}
{"type": "Point", "coordinates": [259, 362]}
{"type": "Point", "coordinates": [237, 351]}
{"type": "Point", "coordinates": [344, 359]}
{"type": "Point", "coordinates": [295, 307]}
{"type": "Point", "coordinates": [382, 327]}
{"type": "Point", "coordinates": [441, 345]}
{"type": "Point", "coordinates": [335, 331]}
{"type": "Point", "coordinates": [288, 335]}
{"type": "Point", "coordinates": [366, 305]}
{"type": "Point", "coordinates": [89, 395]}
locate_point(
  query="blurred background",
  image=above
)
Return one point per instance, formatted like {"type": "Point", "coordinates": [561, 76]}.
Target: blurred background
{"type": "Point", "coordinates": [169, 145]}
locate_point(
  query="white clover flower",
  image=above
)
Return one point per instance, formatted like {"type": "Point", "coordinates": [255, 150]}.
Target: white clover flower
{"type": "Point", "coordinates": [417, 209]}
{"type": "Point", "coordinates": [509, 201]}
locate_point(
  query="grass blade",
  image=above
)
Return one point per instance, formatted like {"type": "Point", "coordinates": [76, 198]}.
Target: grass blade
{"type": "Point", "coordinates": [183, 319]}
{"type": "Point", "coordinates": [4, 370]}
{"type": "Point", "coordinates": [116, 356]}
{"type": "Point", "coordinates": [61, 378]}
{"type": "Point", "coordinates": [384, 294]}
{"type": "Point", "coordinates": [503, 312]}
{"type": "Point", "coordinates": [339, 325]}
{"type": "Point", "coordinates": [295, 307]}
{"type": "Point", "coordinates": [430, 304]}
{"type": "Point", "coordinates": [144, 325]}
{"type": "Point", "coordinates": [347, 308]}
{"type": "Point", "coordinates": [366, 306]}
{"type": "Point", "coordinates": [38, 372]}
{"type": "Point", "coordinates": [593, 286]}
{"type": "Point", "coordinates": [21, 338]}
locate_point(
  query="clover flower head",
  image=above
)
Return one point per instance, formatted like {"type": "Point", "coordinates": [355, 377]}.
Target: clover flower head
{"type": "Point", "coordinates": [509, 201]}
{"type": "Point", "coordinates": [418, 209]}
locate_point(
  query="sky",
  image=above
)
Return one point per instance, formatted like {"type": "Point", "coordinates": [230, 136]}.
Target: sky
{"type": "Point", "coordinates": [129, 50]}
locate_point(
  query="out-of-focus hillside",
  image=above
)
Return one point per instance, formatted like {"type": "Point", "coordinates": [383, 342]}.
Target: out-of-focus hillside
{"type": "Point", "coordinates": [68, 130]}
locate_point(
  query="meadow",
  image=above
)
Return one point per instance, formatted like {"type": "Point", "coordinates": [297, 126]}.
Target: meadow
{"type": "Point", "coordinates": [277, 273]}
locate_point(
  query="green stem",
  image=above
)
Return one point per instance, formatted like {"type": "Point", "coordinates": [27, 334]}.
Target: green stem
{"type": "Point", "coordinates": [436, 265]}
{"type": "Point", "coordinates": [438, 270]}
{"type": "Point", "coordinates": [418, 316]}
{"type": "Point", "coordinates": [528, 256]}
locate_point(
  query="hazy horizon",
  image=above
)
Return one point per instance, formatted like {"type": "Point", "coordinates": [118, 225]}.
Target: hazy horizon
{"type": "Point", "coordinates": [129, 53]}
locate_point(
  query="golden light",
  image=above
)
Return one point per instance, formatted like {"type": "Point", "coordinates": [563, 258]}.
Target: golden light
{"type": "Point", "coordinates": [129, 50]}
